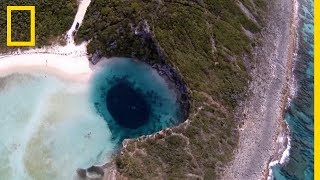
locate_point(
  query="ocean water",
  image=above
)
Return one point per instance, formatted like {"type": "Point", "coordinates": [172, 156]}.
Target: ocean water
{"type": "Point", "coordinates": [299, 116]}
{"type": "Point", "coordinates": [49, 126]}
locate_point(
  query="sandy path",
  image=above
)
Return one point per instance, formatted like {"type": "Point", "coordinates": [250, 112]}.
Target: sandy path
{"type": "Point", "coordinates": [83, 5]}
{"type": "Point", "coordinates": [262, 113]}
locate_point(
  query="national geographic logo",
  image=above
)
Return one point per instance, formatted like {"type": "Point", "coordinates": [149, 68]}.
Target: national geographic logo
{"type": "Point", "coordinates": [31, 42]}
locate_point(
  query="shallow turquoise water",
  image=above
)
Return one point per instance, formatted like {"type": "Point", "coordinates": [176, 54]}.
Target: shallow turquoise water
{"type": "Point", "coordinates": [49, 127]}
{"type": "Point", "coordinates": [300, 115]}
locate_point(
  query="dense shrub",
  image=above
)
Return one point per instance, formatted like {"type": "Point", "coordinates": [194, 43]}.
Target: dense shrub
{"type": "Point", "coordinates": [53, 19]}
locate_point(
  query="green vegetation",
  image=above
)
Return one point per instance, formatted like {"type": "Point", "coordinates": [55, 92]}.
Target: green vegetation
{"type": "Point", "coordinates": [53, 18]}
{"type": "Point", "coordinates": [206, 41]}
{"type": "Point", "coordinates": [198, 148]}
{"type": "Point", "coordinates": [20, 19]}
{"type": "Point", "coordinates": [185, 31]}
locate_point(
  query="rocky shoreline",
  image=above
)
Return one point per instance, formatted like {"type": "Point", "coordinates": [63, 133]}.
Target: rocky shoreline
{"type": "Point", "coordinates": [263, 131]}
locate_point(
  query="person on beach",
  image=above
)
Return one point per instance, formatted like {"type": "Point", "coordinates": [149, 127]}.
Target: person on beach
{"type": "Point", "coordinates": [46, 66]}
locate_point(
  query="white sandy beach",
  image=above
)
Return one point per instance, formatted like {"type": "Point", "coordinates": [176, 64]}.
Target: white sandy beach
{"type": "Point", "coordinates": [69, 62]}
{"type": "Point", "coordinates": [41, 110]}
{"type": "Point", "coordinates": [69, 66]}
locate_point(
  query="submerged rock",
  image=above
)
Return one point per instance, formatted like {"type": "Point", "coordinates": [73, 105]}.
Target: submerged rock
{"type": "Point", "coordinates": [81, 173]}
{"type": "Point", "coordinates": [95, 172]}
{"type": "Point", "coordinates": [92, 173]}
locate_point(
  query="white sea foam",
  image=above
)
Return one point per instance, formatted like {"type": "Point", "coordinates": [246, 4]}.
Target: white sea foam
{"type": "Point", "coordinates": [286, 153]}
{"type": "Point", "coordinates": [284, 158]}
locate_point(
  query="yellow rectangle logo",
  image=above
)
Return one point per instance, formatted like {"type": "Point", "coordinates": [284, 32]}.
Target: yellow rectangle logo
{"type": "Point", "coordinates": [32, 41]}
{"type": "Point", "coordinates": [317, 90]}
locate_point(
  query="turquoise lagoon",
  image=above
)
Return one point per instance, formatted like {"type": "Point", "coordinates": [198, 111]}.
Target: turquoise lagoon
{"type": "Point", "coordinates": [49, 126]}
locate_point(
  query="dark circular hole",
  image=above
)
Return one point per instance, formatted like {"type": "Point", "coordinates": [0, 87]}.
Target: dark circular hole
{"type": "Point", "coordinates": [133, 98]}
{"type": "Point", "coordinates": [128, 106]}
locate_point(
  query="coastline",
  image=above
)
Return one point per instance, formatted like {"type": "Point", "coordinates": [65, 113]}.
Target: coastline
{"type": "Point", "coordinates": [282, 154]}
{"type": "Point", "coordinates": [62, 61]}
{"type": "Point", "coordinates": [263, 130]}
{"type": "Point", "coordinates": [76, 66]}
{"type": "Point", "coordinates": [69, 61]}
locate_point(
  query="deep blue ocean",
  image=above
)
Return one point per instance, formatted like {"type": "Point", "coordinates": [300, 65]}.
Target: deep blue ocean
{"type": "Point", "coordinates": [300, 116]}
